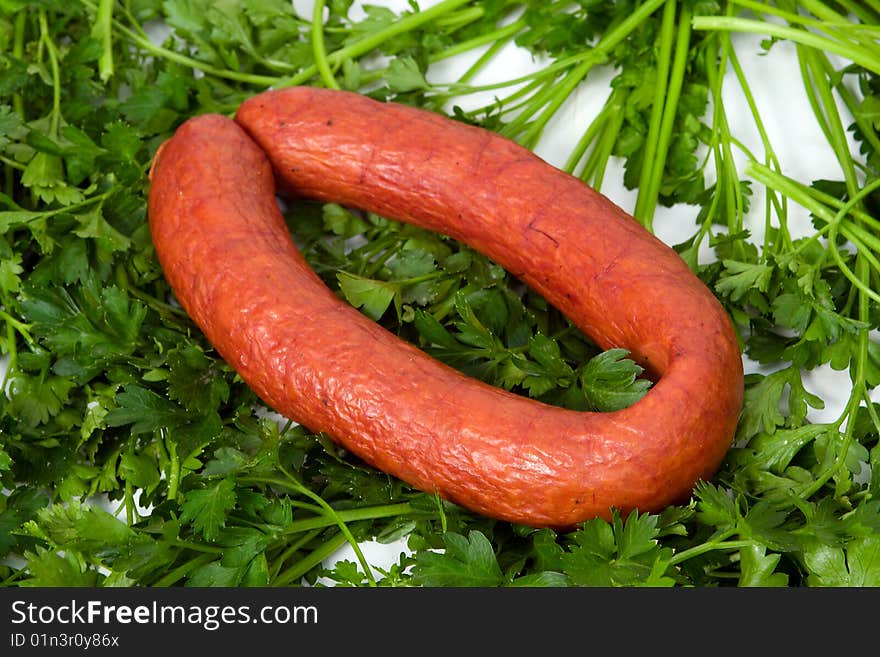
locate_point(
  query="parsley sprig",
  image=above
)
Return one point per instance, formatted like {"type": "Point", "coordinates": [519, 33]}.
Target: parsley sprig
{"type": "Point", "coordinates": [131, 454]}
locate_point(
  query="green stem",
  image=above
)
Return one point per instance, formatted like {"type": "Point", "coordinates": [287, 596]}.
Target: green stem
{"type": "Point", "coordinates": [858, 280]}
{"type": "Point", "coordinates": [33, 215]}
{"type": "Point", "coordinates": [500, 36]}
{"type": "Point", "coordinates": [670, 111]}
{"type": "Point", "coordinates": [788, 188]}
{"type": "Point", "coordinates": [318, 49]}
{"type": "Point", "coordinates": [854, 231]}
{"type": "Point", "coordinates": [855, 8]}
{"type": "Point", "coordinates": [126, 10]}
{"type": "Point", "coordinates": [295, 484]}
{"type": "Point", "coordinates": [597, 162]}
{"type": "Point", "coordinates": [18, 326]}
{"type": "Point", "coordinates": [18, 53]}
{"type": "Point", "coordinates": [349, 515]}
{"type": "Point", "coordinates": [746, 25]}
{"type": "Point", "coordinates": [538, 76]}
{"type": "Point", "coordinates": [304, 565]}
{"type": "Point", "coordinates": [12, 164]}
{"type": "Point", "coordinates": [868, 11]}
{"type": "Point", "coordinates": [481, 62]}
{"type": "Point", "coordinates": [862, 241]}
{"type": "Point", "coordinates": [606, 44]}
{"type": "Point", "coordinates": [290, 550]}
{"type": "Point", "coordinates": [512, 102]}
{"type": "Point", "coordinates": [728, 182]}
{"type": "Point", "coordinates": [17, 102]}
{"type": "Point", "coordinates": [708, 546]}
{"type": "Point", "coordinates": [490, 53]}
{"type": "Point", "coordinates": [372, 267]}
{"type": "Point", "coordinates": [649, 160]}
{"type": "Point", "coordinates": [836, 130]}
{"type": "Point", "coordinates": [458, 19]}
{"type": "Point", "coordinates": [102, 31]}
{"type": "Point", "coordinates": [870, 406]}
{"type": "Point", "coordinates": [513, 129]}
{"type": "Point", "coordinates": [198, 547]}
{"type": "Point", "coordinates": [181, 571]}
{"type": "Point", "coordinates": [189, 62]}
{"type": "Point", "coordinates": [46, 39]}
{"type": "Point", "coordinates": [869, 132]}
{"type": "Point", "coordinates": [859, 390]}
{"type": "Point", "coordinates": [864, 218]}
{"type": "Point", "coordinates": [814, 200]}
{"type": "Point", "coordinates": [733, 59]}
{"type": "Point", "coordinates": [862, 284]}
{"type": "Point", "coordinates": [375, 39]}
{"type": "Point", "coordinates": [801, 195]}
{"type": "Point", "coordinates": [13, 577]}
{"type": "Point", "coordinates": [617, 34]}
{"type": "Point", "coordinates": [128, 497]}
{"type": "Point", "coordinates": [555, 95]}
{"type": "Point", "coordinates": [561, 94]}
{"type": "Point", "coordinates": [174, 463]}
{"type": "Point", "coordinates": [770, 158]}
{"type": "Point", "coordinates": [829, 20]}
{"type": "Point", "coordinates": [596, 127]}
{"type": "Point", "coordinates": [12, 351]}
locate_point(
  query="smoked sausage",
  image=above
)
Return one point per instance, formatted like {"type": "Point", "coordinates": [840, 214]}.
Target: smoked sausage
{"type": "Point", "coordinates": [227, 253]}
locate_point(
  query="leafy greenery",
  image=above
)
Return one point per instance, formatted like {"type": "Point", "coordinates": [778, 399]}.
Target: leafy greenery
{"type": "Point", "coordinates": [131, 454]}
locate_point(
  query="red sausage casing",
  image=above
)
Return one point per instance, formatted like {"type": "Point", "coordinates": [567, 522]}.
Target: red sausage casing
{"type": "Point", "coordinates": [226, 251]}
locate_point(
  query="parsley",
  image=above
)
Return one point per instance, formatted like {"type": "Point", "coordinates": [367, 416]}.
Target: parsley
{"type": "Point", "coordinates": [131, 454]}
{"type": "Point", "coordinates": [465, 561]}
{"type": "Point", "coordinates": [207, 508]}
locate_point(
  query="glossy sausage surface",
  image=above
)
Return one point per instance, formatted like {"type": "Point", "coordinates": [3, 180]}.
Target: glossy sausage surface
{"type": "Point", "coordinates": [227, 253]}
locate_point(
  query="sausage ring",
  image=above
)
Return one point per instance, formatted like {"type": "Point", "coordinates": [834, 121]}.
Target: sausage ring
{"type": "Point", "coordinates": [227, 253]}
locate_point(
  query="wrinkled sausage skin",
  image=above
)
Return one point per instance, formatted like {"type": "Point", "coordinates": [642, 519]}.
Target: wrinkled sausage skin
{"type": "Point", "coordinates": [227, 254]}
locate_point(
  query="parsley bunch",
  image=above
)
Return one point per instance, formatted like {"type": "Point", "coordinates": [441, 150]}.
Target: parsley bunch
{"type": "Point", "coordinates": [131, 454]}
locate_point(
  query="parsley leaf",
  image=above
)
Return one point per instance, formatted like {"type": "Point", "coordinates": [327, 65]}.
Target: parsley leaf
{"type": "Point", "coordinates": [857, 564]}
{"type": "Point", "coordinates": [467, 561]}
{"type": "Point", "coordinates": [620, 553]}
{"type": "Point", "coordinates": [610, 381]}
{"type": "Point", "coordinates": [208, 507]}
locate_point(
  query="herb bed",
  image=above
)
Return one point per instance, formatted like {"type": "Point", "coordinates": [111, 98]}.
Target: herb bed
{"type": "Point", "coordinates": [114, 396]}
